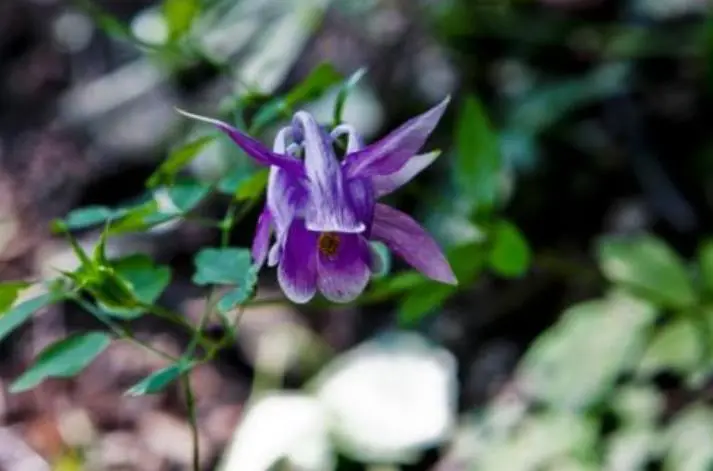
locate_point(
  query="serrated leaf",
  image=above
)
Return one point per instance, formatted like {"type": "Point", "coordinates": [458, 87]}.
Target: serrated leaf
{"type": "Point", "coordinates": [179, 15]}
{"type": "Point", "coordinates": [479, 162]}
{"type": "Point", "coordinates": [159, 380]}
{"type": "Point", "coordinates": [177, 160]}
{"type": "Point", "coordinates": [20, 313]}
{"type": "Point", "coordinates": [344, 91]}
{"type": "Point", "coordinates": [649, 267]}
{"type": "Point", "coordinates": [510, 253]}
{"type": "Point", "coordinates": [226, 266]}
{"type": "Point", "coordinates": [8, 293]}
{"type": "Point", "coordinates": [63, 359]}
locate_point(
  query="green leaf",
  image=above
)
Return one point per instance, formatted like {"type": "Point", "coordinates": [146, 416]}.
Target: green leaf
{"type": "Point", "coordinates": [649, 267]}
{"type": "Point", "coordinates": [233, 179]}
{"type": "Point", "coordinates": [146, 279]}
{"type": "Point", "coordinates": [8, 293]}
{"type": "Point", "coordinates": [479, 162]}
{"type": "Point", "coordinates": [63, 359]}
{"type": "Point", "coordinates": [423, 301]}
{"type": "Point", "coordinates": [705, 261]}
{"type": "Point", "coordinates": [107, 22]}
{"type": "Point", "coordinates": [159, 380]}
{"type": "Point", "coordinates": [179, 15]}
{"type": "Point", "coordinates": [87, 217]}
{"type": "Point", "coordinates": [687, 440]}
{"type": "Point", "coordinates": [253, 186]}
{"type": "Point", "coordinates": [676, 347]}
{"type": "Point", "coordinates": [323, 77]}
{"type": "Point", "coordinates": [137, 218]}
{"type": "Point", "coordinates": [344, 91]}
{"type": "Point", "coordinates": [222, 266]}
{"type": "Point", "coordinates": [385, 288]}
{"type": "Point", "coordinates": [160, 205]}
{"type": "Point", "coordinates": [185, 196]}
{"type": "Point", "coordinates": [178, 159]}
{"type": "Point", "coordinates": [241, 293]}
{"type": "Point", "coordinates": [466, 260]}
{"type": "Point", "coordinates": [510, 253]}
{"type": "Point", "coordinates": [575, 363]}
{"type": "Point", "coordinates": [19, 314]}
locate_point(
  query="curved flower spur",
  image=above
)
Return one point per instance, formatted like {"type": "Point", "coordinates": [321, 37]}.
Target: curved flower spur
{"type": "Point", "coordinates": [324, 212]}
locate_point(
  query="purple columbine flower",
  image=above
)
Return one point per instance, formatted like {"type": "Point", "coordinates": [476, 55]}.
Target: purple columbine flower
{"type": "Point", "coordinates": [323, 212]}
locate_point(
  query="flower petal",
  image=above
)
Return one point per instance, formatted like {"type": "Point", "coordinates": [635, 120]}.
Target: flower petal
{"type": "Point", "coordinates": [297, 273]}
{"type": "Point", "coordinates": [261, 241]}
{"type": "Point", "coordinates": [383, 185]}
{"type": "Point", "coordinates": [392, 152]}
{"type": "Point", "coordinates": [411, 242]}
{"type": "Point", "coordinates": [252, 147]}
{"type": "Point", "coordinates": [343, 277]}
{"type": "Point", "coordinates": [354, 141]}
{"type": "Point", "coordinates": [329, 209]}
{"type": "Point", "coordinates": [362, 198]}
{"type": "Point", "coordinates": [286, 198]}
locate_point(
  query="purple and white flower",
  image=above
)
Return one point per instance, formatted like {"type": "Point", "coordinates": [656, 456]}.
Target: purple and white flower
{"type": "Point", "coordinates": [323, 212]}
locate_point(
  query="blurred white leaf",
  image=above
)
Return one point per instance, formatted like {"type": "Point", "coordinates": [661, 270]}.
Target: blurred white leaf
{"type": "Point", "coordinates": [689, 439]}
{"type": "Point", "coordinates": [577, 361]}
{"type": "Point", "coordinates": [539, 441]}
{"type": "Point", "coordinates": [281, 426]}
{"type": "Point", "coordinates": [629, 449]}
{"type": "Point", "coordinates": [390, 398]}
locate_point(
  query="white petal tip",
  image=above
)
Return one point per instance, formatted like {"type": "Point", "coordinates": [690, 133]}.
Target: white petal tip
{"type": "Point", "coordinates": [205, 119]}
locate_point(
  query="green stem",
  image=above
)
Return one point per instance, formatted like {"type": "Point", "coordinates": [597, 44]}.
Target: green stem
{"type": "Point", "coordinates": [119, 331]}
{"type": "Point", "coordinates": [177, 319]}
{"type": "Point", "coordinates": [192, 419]}
{"type": "Point", "coordinates": [703, 329]}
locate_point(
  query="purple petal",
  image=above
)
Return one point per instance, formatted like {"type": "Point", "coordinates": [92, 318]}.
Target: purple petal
{"type": "Point", "coordinates": [286, 194]}
{"type": "Point", "coordinates": [261, 241]}
{"type": "Point", "coordinates": [286, 198]}
{"type": "Point", "coordinates": [363, 199]}
{"type": "Point", "coordinates": [343, 276]}
{"type": "Point", "coordinates": [273, 257]}
{"type": "Point", "coordinates": [297, 272]}
{"type": "Point", "coordinates": [354, 140]}
{"type": "Point", "coordinates": [252, 147]}
{"type": "Point", "coordinates": [329, 209]}
{"type": "Point", "coordinates": [392, 152]}
{"type": "Point", "coordinates": [411, 242]}
{"type": "Point", "coordinates": [383, 185]}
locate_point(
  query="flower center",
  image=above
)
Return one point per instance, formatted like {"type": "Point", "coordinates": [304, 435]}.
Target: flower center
{"type": "Point", "coordinates": [328, 244]}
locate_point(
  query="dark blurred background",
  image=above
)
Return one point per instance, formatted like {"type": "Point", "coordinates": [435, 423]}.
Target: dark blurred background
{"type": "Point", "coordinates": [602, 110]}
